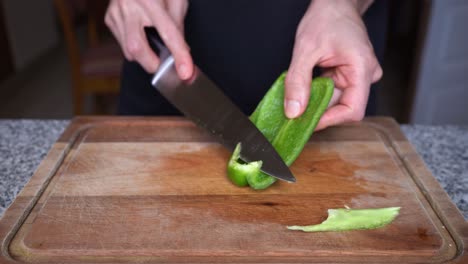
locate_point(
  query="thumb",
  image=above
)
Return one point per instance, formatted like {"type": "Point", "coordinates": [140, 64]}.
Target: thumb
{"type": "Point", "coordinates": [298, 79]}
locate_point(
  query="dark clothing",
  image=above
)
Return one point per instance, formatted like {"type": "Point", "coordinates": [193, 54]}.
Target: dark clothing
{"type": "Point", "coordinates": [242, 45]}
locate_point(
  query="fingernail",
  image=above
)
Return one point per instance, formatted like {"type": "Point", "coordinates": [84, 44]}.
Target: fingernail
{"type": "Point", "coordinates": [293, 108]}
{"type": "Point", "coordinates": [183, 70]}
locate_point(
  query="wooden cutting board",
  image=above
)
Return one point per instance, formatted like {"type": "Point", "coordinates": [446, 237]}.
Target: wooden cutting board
{"type": "Point", "coordinates": [133, 190]}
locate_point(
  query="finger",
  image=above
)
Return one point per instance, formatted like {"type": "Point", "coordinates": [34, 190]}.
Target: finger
{"type": "Point", "coordinates": [177, 10]}
{"type": "Point", "coordinates": [336, 97]}
{"type": "Point", "coordinates": [351, 107]}
{"type": "Point", "coordinates": [114, 23]}
{"type": "Point", "coordinates": [298, 79]}
{"type": "Point", "coordinates": [378, 73]}
{"type": "Point", "coordinates": [333, 116]}
{"type": "Point", "coordinates": [173, 39]}
{"type": "Point", "coordinates": [337, 93]}
{"type": "Point", "coordinates": [137, 45]}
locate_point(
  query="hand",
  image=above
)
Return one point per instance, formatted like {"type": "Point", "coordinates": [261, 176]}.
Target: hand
{"type": "Point", "coordinates": [332, 35]}
{"type": "Point", "coordinates": [127, 20]}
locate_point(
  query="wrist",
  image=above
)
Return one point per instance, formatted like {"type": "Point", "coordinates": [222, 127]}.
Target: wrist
{"type": "Point", "coordinates": [360, 6]}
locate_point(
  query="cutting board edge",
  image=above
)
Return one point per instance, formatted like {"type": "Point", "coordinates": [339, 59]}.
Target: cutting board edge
{"type": "Point", "coordinates": [77, 123]}
{"type": "Point", "coordinates": [439, 200]}
{"type": "Point", "coordinates": [20, 208]}
{"type": "Point", "coordinates": [27, 198]}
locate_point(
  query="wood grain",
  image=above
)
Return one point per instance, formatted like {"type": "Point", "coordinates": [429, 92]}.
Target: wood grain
{"type": "Point", "coordinates": [155, 190]}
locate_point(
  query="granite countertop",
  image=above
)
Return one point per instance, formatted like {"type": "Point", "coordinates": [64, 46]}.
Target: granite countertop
{"type": "Point", "coordinates": [24, 143]}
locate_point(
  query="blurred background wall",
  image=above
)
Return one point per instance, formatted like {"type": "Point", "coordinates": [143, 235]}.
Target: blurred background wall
{"type": "Point", "coordinates": [425, 64]}
{"type": "Point", "coordinates": [440, 87]}
{"type": "Point", "coordinates": [31, 29]}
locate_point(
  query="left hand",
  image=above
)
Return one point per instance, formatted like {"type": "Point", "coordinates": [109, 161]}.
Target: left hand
{"type": "Point", "coordinates": [332, 35]}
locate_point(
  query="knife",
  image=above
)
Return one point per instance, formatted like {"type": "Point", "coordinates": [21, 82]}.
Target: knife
{"type": "Point", "coordinates": [202, 101]}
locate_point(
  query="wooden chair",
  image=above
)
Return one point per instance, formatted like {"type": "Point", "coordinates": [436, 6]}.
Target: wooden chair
{"type": "Point", "coordinates": [96, 69]}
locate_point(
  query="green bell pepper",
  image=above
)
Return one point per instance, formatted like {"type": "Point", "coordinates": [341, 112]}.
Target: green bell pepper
{"type": "Point", "coordinates": [288, 136]}
{"type": "Point", "coordinates": [346, 219]}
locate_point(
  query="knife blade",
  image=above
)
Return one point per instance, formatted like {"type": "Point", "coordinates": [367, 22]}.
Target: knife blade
{"type": "Point", "coordinates": [202, 101]}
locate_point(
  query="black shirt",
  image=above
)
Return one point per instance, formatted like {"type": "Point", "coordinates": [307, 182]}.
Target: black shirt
{"type": "Point", "coordinates": [242, 45]}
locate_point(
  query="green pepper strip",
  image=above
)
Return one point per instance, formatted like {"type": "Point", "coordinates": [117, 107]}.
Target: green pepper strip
{"type": "Point", "coordinates": [353, 219]}
{"type": "Point", "coordinates": [288, 136]}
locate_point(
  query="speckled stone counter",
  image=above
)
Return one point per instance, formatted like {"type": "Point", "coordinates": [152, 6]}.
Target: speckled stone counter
{"type": "Point", "coordinates": [24, 143]}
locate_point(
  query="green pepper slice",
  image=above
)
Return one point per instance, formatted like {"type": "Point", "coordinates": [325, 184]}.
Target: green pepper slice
{"type": "Point", "coordinates": [288, 136]}
{"type": "Point", "coordinates": [239, 172]}
{"type": "Point", "coordinates": [345, 219]}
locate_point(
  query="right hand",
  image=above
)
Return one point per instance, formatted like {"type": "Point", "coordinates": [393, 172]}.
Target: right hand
{"type": "Point", "coordinates": [127, 20]}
